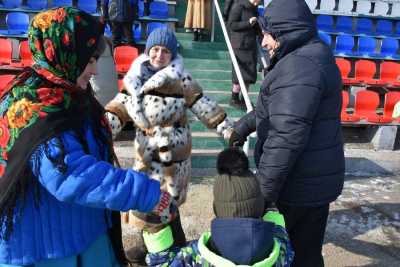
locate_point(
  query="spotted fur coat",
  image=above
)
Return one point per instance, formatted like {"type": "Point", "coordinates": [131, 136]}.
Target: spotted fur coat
{"type": "Point", "coordinates": [158, 108]}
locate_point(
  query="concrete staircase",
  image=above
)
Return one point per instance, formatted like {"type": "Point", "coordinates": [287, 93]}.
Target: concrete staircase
{"type": "Point", "coordinates": [209, 64]}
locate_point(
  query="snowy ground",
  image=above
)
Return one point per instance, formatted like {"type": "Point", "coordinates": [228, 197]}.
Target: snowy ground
{"type": "Point", "coordinates": [363, 227]}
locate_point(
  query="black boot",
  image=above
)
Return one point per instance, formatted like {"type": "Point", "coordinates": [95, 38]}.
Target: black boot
{"type": "Point", "coordinates": [137, 253]}
{"type": "Point", "coordinates": [236, 102]}
{"type": "Point", "coordinates": [195, 35]}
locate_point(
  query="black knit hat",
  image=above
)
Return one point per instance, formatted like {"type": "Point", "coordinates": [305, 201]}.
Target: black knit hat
{"type": "Point", "coordinates": [236, 193]}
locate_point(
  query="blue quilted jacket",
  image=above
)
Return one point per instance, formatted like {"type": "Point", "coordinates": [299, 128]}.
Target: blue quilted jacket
{"type": "Point", "coordinates": [72, 211]}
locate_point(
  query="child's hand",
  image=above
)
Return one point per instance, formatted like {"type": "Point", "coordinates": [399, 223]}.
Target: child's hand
{"type": "Point", "coordinates": [166, 209]}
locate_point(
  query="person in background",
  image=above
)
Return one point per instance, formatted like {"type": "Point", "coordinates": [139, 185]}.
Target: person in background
{"type": "Point", "coordinates": [242, 233]}
{"type": "Point", "coordinates": [227, 8]}
{"type": "Point", "coordinates": [198, 18]}
{"type": "Point", "coordinates": [159, 95]}
{"type": "Point", "coordinates": [299, 150]}
{"type": "Point", "coordinates": [243, 30]}
{"type": "Point", "coordinates": [120, 14]}
{"type": "Point", "coordinates": [60, 194]}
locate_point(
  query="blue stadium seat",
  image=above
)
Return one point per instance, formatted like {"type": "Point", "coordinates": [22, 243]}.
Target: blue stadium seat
{"type": "Point", "coordinates": [154, 25]}
{"type": "Point", "coordinates": [344, 45]}
{"type": "Point", "coordinates": [140, 8]}
{"type": "Point", "coordinates": [137, 31]}
{"type": "Point", "coordinates": [325, 23]}
{"type": "Point", "coordinates": [158, 10]}
{"type": "Point", "coordinates": [384, 27]}
{"type": "Point", "coordinates": [37, 4]}
{"type": "Point", "coordinates": [57, 3]}
{"type": "Point", "coordinates": [326, 38]}
{"type": "Point", "coordinates": [261, 11]}
{"type": "Point", "coordinates": [17, 22]}
{"type": "Point", "coordinates": [12, 3]}
{"type": "Point", "coordinates": [366, 47]}
{"type": "Point", "coordinates": [90, 6]}
{"type": "Point", "coordinates": [344, 24]}
{"type": "Point", "coordinates": [364, 26]}
{"type": "Point", "coordinates": [397, 31]}
{"type": "Point", "coordinates": [389, 48]}
{"type": "Point", "coordinates": [107, 30]}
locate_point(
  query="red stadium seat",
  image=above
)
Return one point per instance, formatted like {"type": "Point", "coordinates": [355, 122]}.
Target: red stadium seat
{"type": "Point", "coordinates": [344, 116]}
{"type": "Point", "coordinates": [4, 80]}
{"type": "Point", "coordinates": [345, 68]}
{"type": "Point", "coordinates": [366, 104]}
{"type": "Point", "coordinates": [5, 51]}
{"type": "Point", "coordinates": [391, 98]}
{"type": "Point", "coordinates": [123, 56]}
{"type": "Point", "coordinates": [365, 71]}
{"type": "Point", "coordinates": [25, 54]}
{"type": "Point", "coordinates": [390, 73]}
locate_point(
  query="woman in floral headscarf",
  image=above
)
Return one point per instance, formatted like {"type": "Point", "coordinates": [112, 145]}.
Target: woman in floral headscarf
{"type": "Point", "coordinates": [57, 181]}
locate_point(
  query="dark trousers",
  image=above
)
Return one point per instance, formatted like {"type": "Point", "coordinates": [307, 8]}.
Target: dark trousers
{"type": "Point", "coordinates": [306, 228]}
{"type": "Point", "coordinates": [122, 28]}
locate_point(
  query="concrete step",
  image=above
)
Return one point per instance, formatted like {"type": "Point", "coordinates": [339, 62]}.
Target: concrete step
{"type": "Point", "coordinates": [225, 74]}
{"type": "Point", "coordinates": [208, 54]}
{"type": "Point", "coordinates": [189, 44]}
{"type": "Point", "coordinates": [224, 85]}
{"type": "Point", "coordinates": [207, 64]}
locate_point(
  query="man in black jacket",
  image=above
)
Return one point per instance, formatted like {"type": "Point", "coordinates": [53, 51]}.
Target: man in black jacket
{"type": "Point", "coordinates": [299, 150]}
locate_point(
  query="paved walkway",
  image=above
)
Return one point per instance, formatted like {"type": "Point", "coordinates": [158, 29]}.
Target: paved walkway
{"type": "Point", "coordinates": [363, 227]}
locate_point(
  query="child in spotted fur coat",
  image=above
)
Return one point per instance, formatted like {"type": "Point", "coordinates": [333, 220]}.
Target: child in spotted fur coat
{"type": "Point", "coordinates": [159, 93]}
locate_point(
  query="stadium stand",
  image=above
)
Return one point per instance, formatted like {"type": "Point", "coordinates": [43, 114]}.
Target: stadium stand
{"type": "Point", "coordinates": [124, 55]}
{"type": "Point", "coordinates": [5, 51]}
{"type": "Point", "coordinates": [17, 22]}
{"type": "Point", "coordinates": [25, 54]}
{"type": "Point", "coordinates": [37, 4]}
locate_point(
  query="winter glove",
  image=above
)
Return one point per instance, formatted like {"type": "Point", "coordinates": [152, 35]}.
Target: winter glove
{"type": "Point", "coordinates": [236, 139]}
{"type": "Point", "coordinates": [166, 208]}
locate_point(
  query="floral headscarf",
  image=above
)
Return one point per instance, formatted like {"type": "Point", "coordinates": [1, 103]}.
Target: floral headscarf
{"type": "Point", "coordinates": [44, 101]}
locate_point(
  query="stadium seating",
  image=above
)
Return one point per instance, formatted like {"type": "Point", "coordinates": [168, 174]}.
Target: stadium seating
{"type": "Point", "coordinates": [366, 47]}
{"type": "Point", "coordinates": [325, 37]}
{"type": "Point", "coordinates": [344, 116]}
{"type": "Point", "coordinates": [37, 4]}
{"type": "Point", "coordinates": [261, 11]}
{"type": "Point", "coordinates": [5, 51]}
{"type": "Point", "coordinates": [158, 10]}
{"type": "Point", "coordinates": [365, 71]}
{"type": "Point", "coordinates": [397, 30]}
{"type": "Point", "coordinates": [12, 3]}
{"type": "Point", "coordinates": [366, 104]}
{"type": "Point", "coordinates": [123, 56]}
{"type": "Point", "coordinates": [325, 23]}
{"type": "Point", "coordinates": [154, 25]}
{"type": "Point", "coordinates": [140, 8]}
{"type": "Point", "coordinates": [344, 45]}
{"type": "Point", "coordinates": [390, 73]}
{"type": "Point", "coordinates": [389, 48]}
{"type": "Point", "coordinates": [364, 26]}
{"type": "Point", "coordinates": [25, 54]}
{"type": "Point", "coordinates": [391, 98]}
{"type": "Point", "coordinates": [4, 80]}
{"type": "Point", "coordinates": [107, 31]}
{"type": "Point", "coordinates": [384, 27]}
{"type": "Point", "coordinates": [344, 24]}
{"type": "Point", "coordinates": [17, 22]}
{"type": "Point", "coordinates": [57, 3]}
{"type": "Point", "coordinates": [89, 6]}
{"type": "Point", "coordinates": [137, 31]}
{"type": "Point", "coordinates": [345, 69]}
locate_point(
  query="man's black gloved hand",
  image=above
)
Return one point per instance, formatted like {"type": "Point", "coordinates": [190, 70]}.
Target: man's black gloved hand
{"type": "Point", "coordinates": [236, 139]}
{"type": "Point", "coordinates": [270, 206]}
